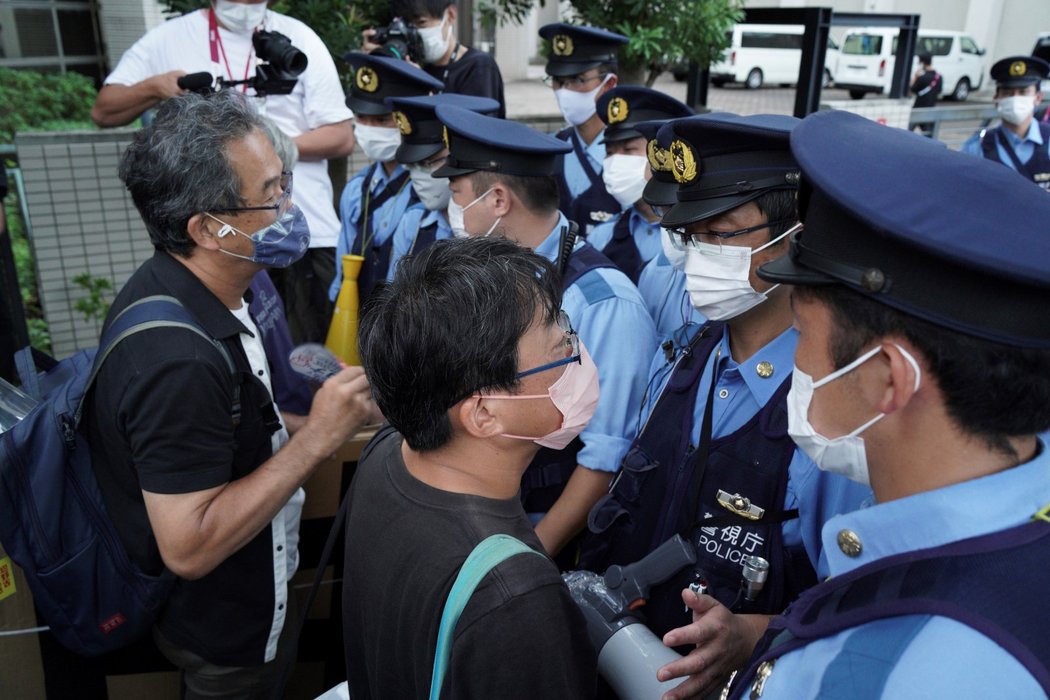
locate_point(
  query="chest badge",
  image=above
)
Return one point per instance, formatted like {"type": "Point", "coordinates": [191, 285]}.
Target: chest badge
{"type": "Point", "coordinates": [741, 505]}
{"type": "Point", "coordinates": [762, 674]}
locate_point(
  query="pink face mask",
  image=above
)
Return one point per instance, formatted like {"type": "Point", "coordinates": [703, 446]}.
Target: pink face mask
{"type": "Point", "coordinates": [575, 395]}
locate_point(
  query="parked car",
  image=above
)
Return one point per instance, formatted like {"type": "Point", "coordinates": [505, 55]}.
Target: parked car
{"type": "Point", "coordinates": [762, 53]}
{"type": "Point", "coordinates": [868, 56]}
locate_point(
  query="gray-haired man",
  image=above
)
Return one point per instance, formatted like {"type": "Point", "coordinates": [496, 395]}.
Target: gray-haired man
{"type": "Point", "coordinates": [212, 499]}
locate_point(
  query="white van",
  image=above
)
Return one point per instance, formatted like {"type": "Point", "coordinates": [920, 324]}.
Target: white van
{"type": "Point", "coordinates": [868, 56]}
{"type": "Point", "coordinates": [764, 53]}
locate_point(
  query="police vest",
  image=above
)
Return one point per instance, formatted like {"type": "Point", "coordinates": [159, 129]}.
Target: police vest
{"type": "Point", "coordinates": [667, 485]}
{"type": "Point", "coordinates": [377, 257]}
{"type": "Point", "coordinates": [1037, 169]}
{"type": "Point", "coordinates": [993, 583]}
{"type": "Point", "coordinates": [623, 250]}
{"type": "Point", "coordinates": [545, 479]}
{"type": "Point", "coordinates": [594, 205]}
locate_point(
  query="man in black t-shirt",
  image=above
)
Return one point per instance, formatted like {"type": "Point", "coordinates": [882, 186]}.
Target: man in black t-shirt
{"type": "Point", "coordinates": [926, 84]}
{"type": "Point", "coordinates": [192, 459]}
{"type": "Point", "coordinates": [463, 70]}
{"type": "Point", "coordinates": [473, 363]}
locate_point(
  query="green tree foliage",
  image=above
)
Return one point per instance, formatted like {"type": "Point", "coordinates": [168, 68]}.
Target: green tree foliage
{"type": "Point", "coordinates": [663, 31]}
{"type": "Point", "coordinates": [32, 101]}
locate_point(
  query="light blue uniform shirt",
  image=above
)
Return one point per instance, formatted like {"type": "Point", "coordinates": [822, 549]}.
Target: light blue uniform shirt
{"type": "Point", "coordinates": [938, 657]}
{"type": "Point", "coordinates": [384, 218]}
{"type": "Point", "coordinates": [610, 318]}
{"type": "Point", "coordinates": [663, 290]}
{"type": "Point", "coordinates": [575, 177]}
{"type": "Point", "coordinates": [416, 217]}
{"type": "Point", "coordinates": [741, 392]}
{"type": "Point", "coordinates": [646, 235]}
{"type": "Point", "coordinates": [1024, 148]}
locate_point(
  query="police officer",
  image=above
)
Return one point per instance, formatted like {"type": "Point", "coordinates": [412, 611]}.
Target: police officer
{"type": "Point", "coordinates": [376, 198]}
{"type": "Point", "coordinates": [911, 375]}
{"type": "Point", "coordinates": [632, 238]}
{"type": "Point", "coordinates": [713, 460]}
{"type": "Point", "coordinates": [581, 66]}
{"type": "Point", "coordinates": [1020, 142]}
{"type": "Point", "coordinates": [422, 151]}
{"type": "Point", "coordinates": [502, 179]}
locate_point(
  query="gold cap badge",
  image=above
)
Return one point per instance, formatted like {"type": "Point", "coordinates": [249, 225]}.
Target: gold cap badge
{"type": "Point", "coordinates": [403, 125]}
{"type": "Point", "coordinates": [562, 45]}
{"type": "Point", "coordinates": [366, 79]}
{"type": "Point", "coordinates": [683, 162]}
{"type": "Point", "coordinates": [658, 157]}
{"type": "Point", "coordinates": [617, 110]}
{"type": "Point", "coordinates": [1018, 68]}
{"type": "Point", "coordinates": [444, 137]}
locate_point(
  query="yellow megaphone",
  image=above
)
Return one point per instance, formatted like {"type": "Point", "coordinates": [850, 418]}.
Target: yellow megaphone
{"type": "Point", "coordinates": [342, 333]}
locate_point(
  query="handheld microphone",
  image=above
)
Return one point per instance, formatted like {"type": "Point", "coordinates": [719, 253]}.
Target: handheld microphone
{"type": "Point", "coordinates": [196, 81]}
{"type": "Point", "coordinates": [314, 361]}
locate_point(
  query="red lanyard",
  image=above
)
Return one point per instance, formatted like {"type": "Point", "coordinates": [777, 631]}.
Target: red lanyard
{"type": "Point", "coordinates": [215, 42]}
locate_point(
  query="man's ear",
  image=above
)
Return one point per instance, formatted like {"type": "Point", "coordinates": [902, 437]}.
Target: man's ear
{"type": "Point", "coordinates": [501, 199]}
{"type": "Point", "coordinates": [453, 15]}
{"type": "Point", "coordinates": [610, 83]}
{"type": "Point", "coordinates": [199, 231]}
{"type": "Point", "coordinates": [900, 389]}
{"type": "Point", "coordinates": [477, 419]}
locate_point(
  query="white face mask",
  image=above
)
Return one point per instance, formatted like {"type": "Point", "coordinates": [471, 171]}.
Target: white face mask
{"type": "Point", "coordinates": [717, 279]}
{"type": "Point", "coordinates": [378, 143]}
{"type": "Point", "coordinates": [674, 255]}
{"type": "Point", "coordinates": [435, 43]}
{"type": "Point", "coordinates": [624, 177]}
{"type": "Point", "coordinates": [455, 217]}
{"type": "Point", "coordinates": [239, 17]}
{"type": "Point", "coordinates": [578, 107]}
{"type": "Point", "coordinates": [432, 191]}
{"type": "Point", "coordinates": [842, 455]}
{"type": "Point", "coordinates": [1015, 110]}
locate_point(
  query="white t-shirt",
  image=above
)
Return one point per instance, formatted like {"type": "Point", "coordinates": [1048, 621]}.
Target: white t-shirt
{"type": "Point", "coordinates": [317, 100]}
{"type": "Point", "coordinates": [284, 528]}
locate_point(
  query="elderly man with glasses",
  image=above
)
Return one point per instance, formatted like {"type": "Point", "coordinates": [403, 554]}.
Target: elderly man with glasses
{"type": "Point", "coordinates": [713, 460]}
{"type": "Point", "coordinates": [193, 461]}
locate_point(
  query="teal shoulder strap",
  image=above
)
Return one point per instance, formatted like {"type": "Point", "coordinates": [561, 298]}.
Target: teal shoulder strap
{"type": "Point", "coordinates": [489, 553]}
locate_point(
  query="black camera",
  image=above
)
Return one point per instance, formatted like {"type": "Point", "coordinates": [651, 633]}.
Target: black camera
{"type": "Point", "coordinates": [281, 66]}
{"type": "Point", "coordinates": [399, 40]}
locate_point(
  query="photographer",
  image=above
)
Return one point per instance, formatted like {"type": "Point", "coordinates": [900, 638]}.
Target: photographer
{"type": "Point", "coordinates": [463, 70]}
{"type": "Point", "coordinates": [218, 40]}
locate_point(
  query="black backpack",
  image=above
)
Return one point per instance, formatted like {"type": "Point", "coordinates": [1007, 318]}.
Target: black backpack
{"type": "Point", "coordinates": [53, 522]}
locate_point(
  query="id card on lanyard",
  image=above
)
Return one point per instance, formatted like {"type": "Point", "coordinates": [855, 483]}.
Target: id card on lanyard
{"type": "Point", "coordinates": [217, 50]}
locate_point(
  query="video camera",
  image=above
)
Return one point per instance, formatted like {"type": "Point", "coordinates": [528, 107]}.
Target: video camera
{"type": "Point", "coordinates": [399, 40]}
{"type": "Point", "coordinates": [279, 70]}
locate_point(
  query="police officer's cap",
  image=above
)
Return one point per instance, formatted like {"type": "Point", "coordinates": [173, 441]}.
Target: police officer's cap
{"type": "Point", "coordinates": [723, 161]}
{"type": "Point", "coordinates": [575, 49]}
{"type": "Point", "coordinates": [376, 78]}
{"type": "Point", "coordinates": [623, 107]}
{"type": "Point", "coordinates": [955, 240]}
{"type": "Point", "coordinates": [421, 133]}
{"type": "Point", "coordinates": [662, 188]}
{"type": "Point", "coordinates": [1020, 71]}
{"type": "Point", "coordinates": [477, 142]}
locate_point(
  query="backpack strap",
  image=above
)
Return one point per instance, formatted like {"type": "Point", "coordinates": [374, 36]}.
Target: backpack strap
{"type": "Point", "coordinates": [157, 311]}
{"type": "Point", "coordinates": [488, 554]}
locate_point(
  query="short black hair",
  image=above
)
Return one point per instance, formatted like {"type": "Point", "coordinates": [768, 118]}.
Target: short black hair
{"type": "Point", "coordinates": [539, 193]}
{"type": "Point", "coordinates": [779, 205]}
{"type": "Point", "coordinates": [926, 59]}
{"type": "Point", "coordinates": [447, 326]}
{"type": "Point", "coordinates": [991, 391]}
{"type": "Point", "coordinates": [413, 9]}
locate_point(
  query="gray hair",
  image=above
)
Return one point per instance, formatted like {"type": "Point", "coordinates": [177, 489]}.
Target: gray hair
{"type": "Point", "coordinates": [286, 149]}
{"type": "Point", "coordinates": [179, 167]}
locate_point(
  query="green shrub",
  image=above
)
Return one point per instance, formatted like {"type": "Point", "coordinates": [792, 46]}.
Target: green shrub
{"type": "Point", "coordinates": [32, 101]}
